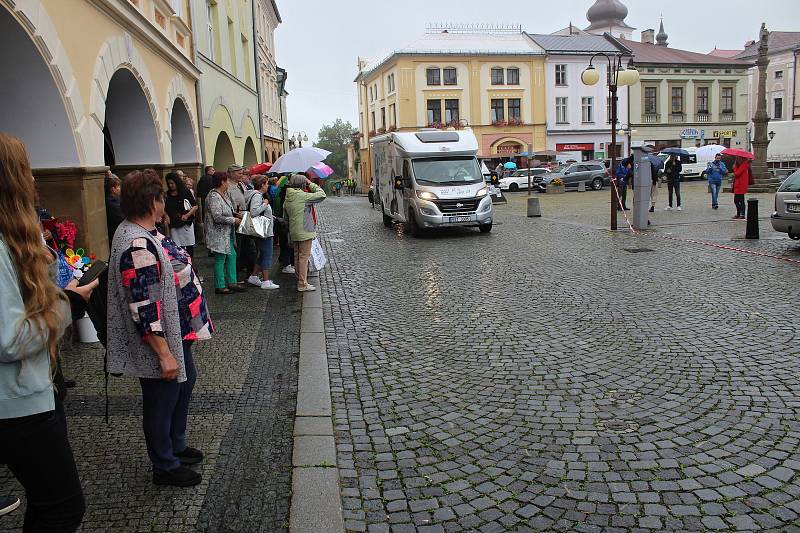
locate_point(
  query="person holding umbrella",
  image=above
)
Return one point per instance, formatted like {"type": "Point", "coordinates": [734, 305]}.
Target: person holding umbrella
{"type": "Point", "coordinates": [742, 175]}
{"type": "Point", "coordinates": [672, 170]}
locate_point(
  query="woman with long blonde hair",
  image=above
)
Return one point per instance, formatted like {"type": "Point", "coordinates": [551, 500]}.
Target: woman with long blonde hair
{"type": "Point", "coordinates": [33, 314]}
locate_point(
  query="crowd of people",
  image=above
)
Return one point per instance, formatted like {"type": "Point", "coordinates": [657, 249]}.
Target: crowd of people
{"type": "Point", "coordinates": [149, 308]}
{"type": "Point", "coordinates": [672, 168]}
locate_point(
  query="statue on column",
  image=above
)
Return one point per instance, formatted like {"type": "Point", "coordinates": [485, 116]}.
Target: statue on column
{"type": "Point", "coordinates": [761, 119]}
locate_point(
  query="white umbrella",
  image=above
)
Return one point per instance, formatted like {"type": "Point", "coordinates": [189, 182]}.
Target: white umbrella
{"type": "Point", "coordinates": [709, 151]}
{"type": "Point", "coordinates": [299, 159]}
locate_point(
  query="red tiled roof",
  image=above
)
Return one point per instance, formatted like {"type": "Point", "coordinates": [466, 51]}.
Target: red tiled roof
{"type": "Point", "coordinates": [645, 53]}
{"type": "Point", "coordinates": [719, 52]}
{"type": "Point", "coordinates": [778, 40]}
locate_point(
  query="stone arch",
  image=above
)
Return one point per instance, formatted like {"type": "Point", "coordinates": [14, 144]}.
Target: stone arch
{"type": "Point", "coordinates": [48, 84]}
{"type": "Point", "coordinates": [523, 145]}
{"type": "Point", "coordinates": [130, 133]}
{"type": "Point", "coordinates": [223, 152]}
{"type": "Point", "coordinates": [176, 94]}
{"type": "Point", "coordinates": [119, 53]}
{"type": "Point", "coordinates": [250, 156]}
{"type": "Point", "coordinates": [247, 126]}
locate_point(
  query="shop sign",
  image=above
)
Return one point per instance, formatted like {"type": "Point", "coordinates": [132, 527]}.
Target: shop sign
{"type": "Point", "coordinates": [575, 147]}
{"type": "Point", "coordinates": [724, 133]}
{"type": "Point", "coordinates": [508, 149]}
{"type": "Point", "coordinates": [690, 133]}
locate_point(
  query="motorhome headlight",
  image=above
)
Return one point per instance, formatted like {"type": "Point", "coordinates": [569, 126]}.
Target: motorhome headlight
{"type": "Point", "coordinates": [425, 195]}
{"type": "Point", "coordinates": [483, 191]}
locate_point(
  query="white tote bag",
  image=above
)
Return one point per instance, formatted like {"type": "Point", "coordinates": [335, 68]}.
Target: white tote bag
{"type": "Point", "coordinates": [317, 259]}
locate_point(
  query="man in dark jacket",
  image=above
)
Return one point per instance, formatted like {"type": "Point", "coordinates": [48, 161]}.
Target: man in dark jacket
{"type": "Point", "coordinates": [204, 184]}
{"type": "Point", "coordinates": [672, 170]}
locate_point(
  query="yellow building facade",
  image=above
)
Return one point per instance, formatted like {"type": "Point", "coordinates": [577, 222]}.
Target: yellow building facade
{"type": "Point", "coordinates": [492, 82]}
{"type": "Point", "coordinates": [98, 84]}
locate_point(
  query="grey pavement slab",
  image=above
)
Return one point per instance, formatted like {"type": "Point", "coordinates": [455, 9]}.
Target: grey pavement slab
{"type": "Point", "coordinates": [316, 506]}
{"type": "Point", "coordinates": [314, 450]}
{"type": "Point", "coordinates": [311, 320]}
{"type": "Point", "coordinates": [313, 425]}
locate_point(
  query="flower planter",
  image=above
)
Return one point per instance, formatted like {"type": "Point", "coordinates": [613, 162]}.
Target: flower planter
{"type": "Point", "coordinates": [556, 189]}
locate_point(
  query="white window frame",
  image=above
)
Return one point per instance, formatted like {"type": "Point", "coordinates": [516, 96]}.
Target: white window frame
{"type": "Point", "coordinates": [562, 108]}
{"type": "Point", "coordinates": [587, 109]}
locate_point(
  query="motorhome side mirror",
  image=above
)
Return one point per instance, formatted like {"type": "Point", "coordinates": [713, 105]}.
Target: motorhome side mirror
{"type": "Point", "coordinates": [398, 182]}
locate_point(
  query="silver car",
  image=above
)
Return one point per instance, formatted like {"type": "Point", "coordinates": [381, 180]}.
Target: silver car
{"type": "Point", "coordinates": [594, 174]}
{"type": "Point", "coordinates": [786, 217]}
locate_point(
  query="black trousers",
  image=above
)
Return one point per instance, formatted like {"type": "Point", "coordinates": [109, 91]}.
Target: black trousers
{"type": "Point", "coordinates": [738, 201]}
{"type": "Point", "coordinates": [37, 451]}
{"type": "Point", "coordinates": [623, 197]}
{"type": "Point", "coordinates": [674, 185]}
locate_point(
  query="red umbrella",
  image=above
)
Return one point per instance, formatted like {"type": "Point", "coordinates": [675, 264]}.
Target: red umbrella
{"type": "Point", "coordinates": [260, 168]}
{"type": "Point", "coordinates": [737, 152]}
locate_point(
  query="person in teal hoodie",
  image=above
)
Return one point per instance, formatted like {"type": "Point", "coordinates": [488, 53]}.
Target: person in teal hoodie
{"type": "Point", "coordinates": [715, 171]}
{"type": "Point", "coordinates": [34, 314]}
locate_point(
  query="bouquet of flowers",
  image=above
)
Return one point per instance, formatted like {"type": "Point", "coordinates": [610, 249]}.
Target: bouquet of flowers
{"type": "Point", "coordinates": [62, 239]}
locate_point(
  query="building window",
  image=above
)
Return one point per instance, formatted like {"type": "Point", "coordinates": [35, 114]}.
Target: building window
{"type": "Point", "coordinates": [608, 110]}
{"type": "Point", "coordinates": [434, 76]}
{"type": "Point", "coordinates": [514, 109]}
{"type": "Point", "coordinates": [498, 112]}
{"type": "Point", "coordinates": [702, 100]}
{"type": "Point", "coordinates": [561, 110]}
{"type": "Point", "coordinates": [561, 74]}
{"type": "Point", "coordinates": [376, 91]}
{"type": "Point", "coordinates": [512, 76]}
{"type": "Point", "coordinates": [498, 76]}
{"type": "Point", "coordinates": [451, 111]}
{"type": "Point", "coordinates": [434, 111]}
{"type": "Point", "coordinates": [176, 7]}
{"type": "Point", "coordinates": [390, 83]}
{"type": "Point", "coordinates": [372, 125]}
{"type": "Point", "coordinates": [778, 109]}
{"type": "Point", "coordinates": [450, 76]}
{"type": "Point", "coordinates": [778, 74]}
{"type": "Point", "coordinates": [727, 100]}
{"type": "Point", "coordinates": [650, 100]}
{"type": "Point", "coordinates": [383, 118]}
{"type": "Point", "coordinates": [587, 109]}
{"type": "Point", "coordinates": [392, 115]}
{"type": "Point", "coordinates": [677, 100]}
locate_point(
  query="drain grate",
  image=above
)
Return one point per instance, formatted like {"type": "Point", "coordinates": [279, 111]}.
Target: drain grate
{"type": "Point", "coordinates": [638, 250]}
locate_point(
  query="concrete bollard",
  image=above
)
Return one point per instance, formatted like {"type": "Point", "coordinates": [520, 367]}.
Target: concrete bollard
{"type": "Point", "coordinates": [581, 186]}
{"type": "Point", "coordinates": [752, 219]}
{"type": "Point", "coordinates": [533, 207]}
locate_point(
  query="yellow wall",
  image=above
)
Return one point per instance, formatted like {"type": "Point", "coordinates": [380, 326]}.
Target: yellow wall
{"type": "Point", "coordinates": [473, 90]}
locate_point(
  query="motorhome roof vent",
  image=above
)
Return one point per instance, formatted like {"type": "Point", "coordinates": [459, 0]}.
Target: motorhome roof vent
{"type": "Point", "coordinates": [438, 136]}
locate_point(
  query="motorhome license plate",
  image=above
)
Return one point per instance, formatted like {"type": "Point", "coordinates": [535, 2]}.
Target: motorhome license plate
{"type": "Point", "coordinates": [466, 218]}
{"type": "Point", "coordinates": [793, 208]}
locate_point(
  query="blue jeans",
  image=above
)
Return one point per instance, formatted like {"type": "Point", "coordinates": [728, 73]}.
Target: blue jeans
{"type": "Point", "coordinates": [265, 253]}
{"type": "Point", "coordinates": [715, 187]}
{"type": "Point", "coordinates": [165, 406]}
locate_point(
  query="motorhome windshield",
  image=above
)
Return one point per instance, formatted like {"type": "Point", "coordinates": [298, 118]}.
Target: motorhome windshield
{"type": "Point", "coordinates": [447, 170]}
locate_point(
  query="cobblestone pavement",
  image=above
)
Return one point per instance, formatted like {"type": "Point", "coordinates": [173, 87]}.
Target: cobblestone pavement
{"type": "Point", "coordinates": [544, 378]}
{"type": "Point", "coordinates": [242, 417]}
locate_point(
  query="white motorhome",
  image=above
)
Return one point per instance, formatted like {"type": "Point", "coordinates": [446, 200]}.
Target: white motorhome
{"type": "Point", "coordinates": [430, 179]}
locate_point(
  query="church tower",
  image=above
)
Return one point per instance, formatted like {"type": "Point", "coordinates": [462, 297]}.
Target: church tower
{"type": "Point", "coordinates": [609, 16]}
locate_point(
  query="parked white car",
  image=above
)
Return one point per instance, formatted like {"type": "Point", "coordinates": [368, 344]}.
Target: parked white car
{"type": "Point", "coordinates": [518, 180]}
{"type": "Point", "coordinates": [786, 217]}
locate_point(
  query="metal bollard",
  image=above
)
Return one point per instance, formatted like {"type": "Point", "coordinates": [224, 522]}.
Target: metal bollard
{"type": "Point", "coordinates": [533, 207]}
{"type": "Point", "coordinates": [581, 186]}
{"type": "Point", "coordinates": [752, 219]}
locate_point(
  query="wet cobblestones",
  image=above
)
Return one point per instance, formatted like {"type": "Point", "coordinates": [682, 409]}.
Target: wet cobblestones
{"type": "Point", "coordinates": [541, 378]}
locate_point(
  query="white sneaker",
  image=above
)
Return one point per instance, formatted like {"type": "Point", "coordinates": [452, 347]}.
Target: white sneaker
{"type": "Point", "coordinates": [269, 284]}
{"type": "Point", "coordinates": [307, 288]}
{"type": "Point", "coordinates": [668, 208]}
{"type": "Point", "coordinates": [679, 208]}
{"type": "Point", "coordinates": [288, 269]}
{"type": "Point", "coordinates": [254, 280]}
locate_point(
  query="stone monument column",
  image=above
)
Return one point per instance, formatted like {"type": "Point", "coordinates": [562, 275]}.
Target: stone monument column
{"type": "Point", "coordinates": [763, 180]}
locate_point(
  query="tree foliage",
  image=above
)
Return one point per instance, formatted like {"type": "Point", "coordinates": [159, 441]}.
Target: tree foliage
{"type": "Point", "coordinates": [335, 138]}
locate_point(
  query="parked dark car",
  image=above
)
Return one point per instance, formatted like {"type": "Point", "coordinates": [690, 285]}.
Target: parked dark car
{"type": "Point", "coordinates": [593, 173]}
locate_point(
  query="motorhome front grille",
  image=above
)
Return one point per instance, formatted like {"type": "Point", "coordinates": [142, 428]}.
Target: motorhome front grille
{"type": "Point", "coordinates": [458, 206]}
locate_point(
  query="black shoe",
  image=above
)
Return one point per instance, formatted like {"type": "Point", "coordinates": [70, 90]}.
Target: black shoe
{"type": "Point", "coordinates": [8, 504]}
{"type": "Point", "coordinates": [626, 208]}
{"type": "Point", "coordinates": [180, 477]}
{"type": "Point", "coordinates": [652, 209]}
{"type": "Point", "coordinates": [190, 456]}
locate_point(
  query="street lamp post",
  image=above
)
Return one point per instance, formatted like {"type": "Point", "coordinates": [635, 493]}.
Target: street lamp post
{"type": "Point", "coordinates": [617, 76]}
{"type": "Point", "coordinates": [298, 137]}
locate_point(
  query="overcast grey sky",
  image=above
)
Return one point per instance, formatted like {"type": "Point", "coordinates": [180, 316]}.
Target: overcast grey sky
{"type": "Point", "coordinates": [320, 40]}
